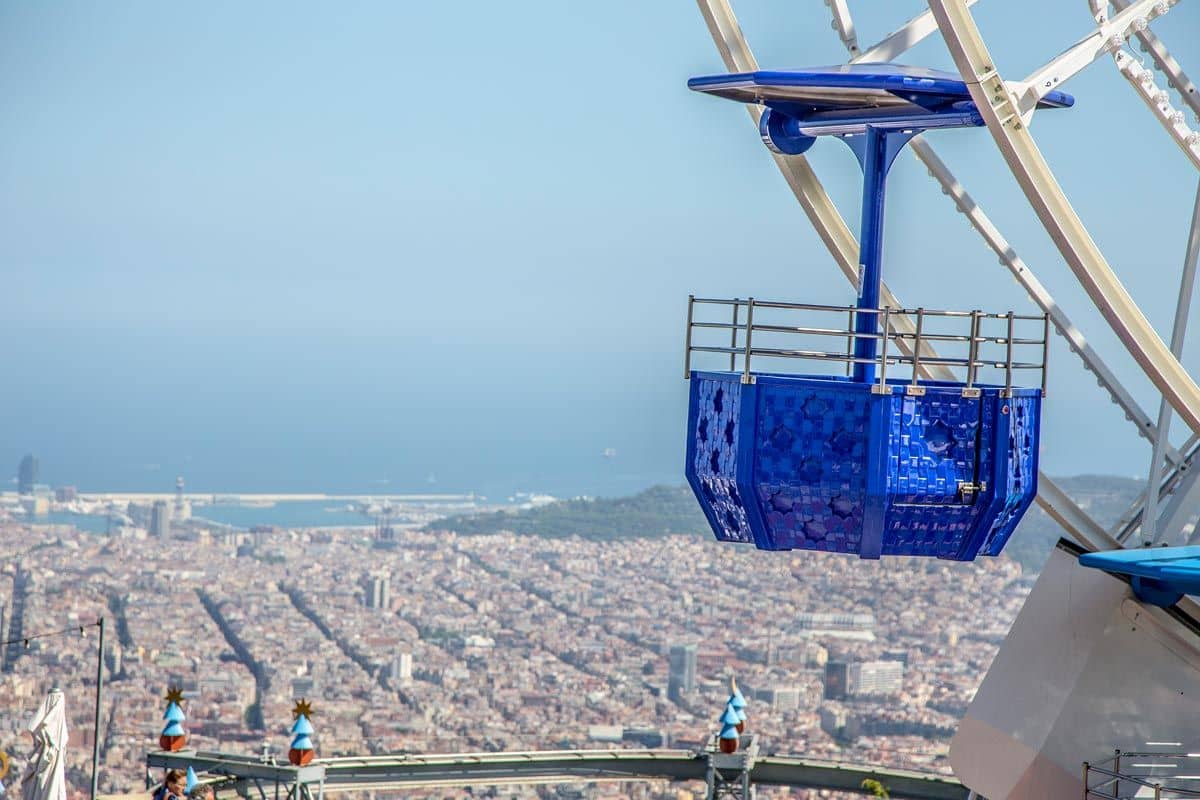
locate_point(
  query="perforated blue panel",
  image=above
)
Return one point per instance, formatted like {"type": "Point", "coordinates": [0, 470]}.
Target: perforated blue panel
{"type": "Point", "coordinates": [809, 458]}
{"type": "Point", "coordinates": [712, 455]}
{"type": "Point", "coordinates": [1019, 484]}
{"type": "Point", "coordinates": [935, 442]}
{"type": "Point", "coordinates": [826, 465]}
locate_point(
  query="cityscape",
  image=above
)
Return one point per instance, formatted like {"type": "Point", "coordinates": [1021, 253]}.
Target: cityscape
{"type": "Point", "coordinates": [406, 637]}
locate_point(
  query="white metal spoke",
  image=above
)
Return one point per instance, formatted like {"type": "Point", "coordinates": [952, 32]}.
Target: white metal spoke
{"type": "Point", "coordinates": [1163, 60]}
{"type": "Point", "coordinates": [1108, 37]}
{"type": "Point", "coordinates": [1094, 274]}
{"type": "Point", "coordinates": [1183, 305]}
{"type": "Point", "coordinates": [1159, 102]}
{"type": "Point", "coordinates": [1176, 478]}
{"type": "Point", "coordinates": [843, 23]}
{"type": "Point", "coordinates": [900, 40]}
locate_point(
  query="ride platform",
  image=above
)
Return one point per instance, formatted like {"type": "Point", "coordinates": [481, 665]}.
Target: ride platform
{"type": "Point", "coordinates": [859, 463]}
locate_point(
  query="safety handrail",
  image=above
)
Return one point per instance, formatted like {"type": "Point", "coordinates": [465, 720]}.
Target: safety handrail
{"type": "Point", "coordinates": [1121, 773]}
{"type": "Point", "coordinates": [897, 348]}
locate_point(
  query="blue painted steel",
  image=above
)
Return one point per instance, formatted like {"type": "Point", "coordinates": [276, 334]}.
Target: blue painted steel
{"type": "Point", "coordinates": [1159, 575]}
{"type": "Point", "coordinates": [822, 463]}
{"type": "Point", "coordinates": [876, 151]}
{"type": "Point", "coordinates": [838, 99]}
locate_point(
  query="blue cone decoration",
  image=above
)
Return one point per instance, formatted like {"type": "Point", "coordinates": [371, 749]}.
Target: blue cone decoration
{"type": "Point", "coordinates": [174, 713]}
{"type": "Point", "coordinates": [192, 781]}
{"type": "Point", "coordinates": [737, 700]}
{"type": "Point", "coordinates": [730, 717]}
{"type": "Point", "coordinates": [729, 732]}
{"type": "Point", "coordinates": [173, 729]}
{"type": "Point", "coordinates": [301, 725]}
{"type": "Point", "coordinates": [302, 742]}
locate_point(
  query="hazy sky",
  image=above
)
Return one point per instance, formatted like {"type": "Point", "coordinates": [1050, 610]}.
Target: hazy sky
{"type": "Point", "coordinates": [290, 245]}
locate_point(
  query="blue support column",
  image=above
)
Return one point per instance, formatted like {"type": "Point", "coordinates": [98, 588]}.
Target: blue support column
{"type": "Point", "coordinates": [876, 150]}
{"type": "Point", "coordinates": [870, 254]}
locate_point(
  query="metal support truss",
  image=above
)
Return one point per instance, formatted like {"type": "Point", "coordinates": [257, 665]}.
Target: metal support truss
{"type": "Point", "coordinates": [1002, 116]}
{"type": "Point", "coordinates": [728, 775]}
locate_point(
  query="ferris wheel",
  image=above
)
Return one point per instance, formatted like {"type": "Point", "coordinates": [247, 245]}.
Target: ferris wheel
{"type": "Point", "coordinates": [1005, 105]}
{"type": "Point", "coordinates": [963, 492]}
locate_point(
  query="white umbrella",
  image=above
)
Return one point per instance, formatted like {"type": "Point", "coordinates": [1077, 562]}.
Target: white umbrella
{"type": "Point", "coordinates": [43, 778]}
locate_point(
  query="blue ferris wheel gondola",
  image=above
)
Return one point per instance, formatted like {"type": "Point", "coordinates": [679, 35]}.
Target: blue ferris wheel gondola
{"type": "Point", "coordinates": [861, 463]}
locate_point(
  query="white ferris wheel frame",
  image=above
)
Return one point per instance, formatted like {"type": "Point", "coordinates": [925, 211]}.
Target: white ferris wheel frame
{"type": "Point", "coordinates": [1007, 107]}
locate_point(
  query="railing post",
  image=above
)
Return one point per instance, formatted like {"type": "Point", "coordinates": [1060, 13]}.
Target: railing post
{"type": "Point", "coordinates": [1008, 358]}
{"type": "Point", "coordinates": [883, 353]}
{"type": "Point", "coordinates": [1158, 791]}
{"type": "Point", "coordinates": [733, 336]}
{"type": "Point", "coordinates": [973, 351]}
{"type": "Point", "coordinates": [687, 340]}
{"type": "Point", "coordinates": [749, 332]}
{"type": "Point", "coordinates": [916, 359]}
{"type": "Point", "coordinates": [1117, 769]}
{"type": "Point", "coordinates": [1086, 793]}
{"type": "Point", "coordinates": [850, 343]}
{"type": "Point", "coordinates": [1045, 348]}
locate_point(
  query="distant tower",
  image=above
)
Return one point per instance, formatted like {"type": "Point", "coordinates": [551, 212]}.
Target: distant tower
{"type": "Point", "coordinates": [160, 520]}
{"type": "Point", "coordinates": [385, 534]}
{"type": "Point", "coordinates": [681, 679]}
{"type": "Point", "coordinates": [402, 667]}
{"type": "Point", "coordinates": [378, 591]}
{"type": "Point", "coordinates": [183, 509]}
{"type": "Point", "coordinates": [837, 680]}
{"type": "Point", "coordinates": [27, 474]}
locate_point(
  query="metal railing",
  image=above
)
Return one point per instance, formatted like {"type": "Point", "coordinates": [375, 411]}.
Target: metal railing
{"type": "Point", "coordinates": [1132, 775]}
{"type": "Point", "coordinates": [750, 332]}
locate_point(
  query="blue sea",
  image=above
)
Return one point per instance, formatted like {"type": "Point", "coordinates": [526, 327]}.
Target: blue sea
{"type": "Point", "coordinates": [236, 411]}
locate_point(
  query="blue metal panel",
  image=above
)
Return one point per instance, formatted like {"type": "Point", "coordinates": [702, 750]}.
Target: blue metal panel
{"type": "Point", "coordinates": [808, 471]}
{"type": "Point", "coordinates": [819, 463]}
{"type": "Point", "coordinates": [1016, 476]}
{"type": "Point", "coordinates": [1159, 575]}
{"type": "Point", "coordinates": [713, 420]}
{"type": "Point", "coordinates": [849, 88]}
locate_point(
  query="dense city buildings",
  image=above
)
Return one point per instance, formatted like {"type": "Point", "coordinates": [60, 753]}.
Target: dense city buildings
{"type": "Point", "coordinates": [501, 642]}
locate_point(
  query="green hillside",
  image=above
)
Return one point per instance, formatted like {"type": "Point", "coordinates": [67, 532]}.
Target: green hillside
{"type": "Point", "coordinates": [664, 510]}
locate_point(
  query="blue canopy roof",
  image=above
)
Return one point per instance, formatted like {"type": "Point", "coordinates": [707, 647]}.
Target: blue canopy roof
{"type": "Point", "coordinates": [841, 98]}
{"type": "Point", "coordinates": [1160, 575]}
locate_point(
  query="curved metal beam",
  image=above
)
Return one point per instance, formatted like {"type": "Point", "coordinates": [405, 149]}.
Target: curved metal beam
{"type": "Point", "coordinates": [1000, 112]}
